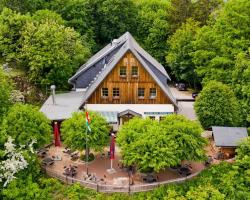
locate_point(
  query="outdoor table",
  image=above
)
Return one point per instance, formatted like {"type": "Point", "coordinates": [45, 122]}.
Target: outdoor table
{"type": "Point", "coordinates": [48, 161]}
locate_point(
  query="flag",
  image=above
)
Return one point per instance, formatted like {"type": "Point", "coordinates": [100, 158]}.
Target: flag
{"type": "Point", "coordinates": [112, 147]}
{"type": "Point", "coordinates": [56, 135]}
{"type": "Point", "coordinates": [88, 121]}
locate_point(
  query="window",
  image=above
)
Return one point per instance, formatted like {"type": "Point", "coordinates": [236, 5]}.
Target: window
{"type": "Point", "coordinates": [134, 71]}
{"type": "Point", "coordinates": [152, 93]}
{"type": "Point", "coordinates": [105, 92]}
{"type": "Point", "coordinates": [123, 71]}
{"type": "Point", "coordinates": [141, 92]}
{"type": "Point", "coordinates": [116, 92]}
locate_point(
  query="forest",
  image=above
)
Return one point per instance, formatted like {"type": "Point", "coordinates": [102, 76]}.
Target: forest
{"type": "Point", "coordinates": [203, 43]}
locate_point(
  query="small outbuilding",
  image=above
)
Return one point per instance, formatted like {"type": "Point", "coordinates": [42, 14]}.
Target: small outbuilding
{"type": "Point", "coordinates": [228, 138]}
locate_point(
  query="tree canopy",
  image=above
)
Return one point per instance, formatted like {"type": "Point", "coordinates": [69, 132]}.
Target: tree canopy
{"type": "Point", "coordinates": [74, 131]}
{"type": "Point", "coordinates": [5, 94]}
{"type": "Point", "coordinates": [179, 56]}
{"type": "Point", "coordinates": [217, 105]}
{"type": "Point", "coordinates": [150, 145]}
{"type": "Point", "coordinates": [25, 123]}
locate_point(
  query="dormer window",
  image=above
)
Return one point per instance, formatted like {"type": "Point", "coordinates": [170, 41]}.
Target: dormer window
{"type": "Point", "coordinates": [105, 92]}
{"type": "Point", "coordinates": [134, 71]}
{"type": "Point", "coordinates": [123, 71]}
{"type": "Point", "coordinates": [152, 93]}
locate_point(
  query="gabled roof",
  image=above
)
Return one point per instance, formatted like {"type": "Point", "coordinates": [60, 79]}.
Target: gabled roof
{"type": "Point", "coordinates": [228, 136]}
{"type": "Point", "coordinates": [106, 59]}
{"type": "Point", "coordinates": [128, 111]}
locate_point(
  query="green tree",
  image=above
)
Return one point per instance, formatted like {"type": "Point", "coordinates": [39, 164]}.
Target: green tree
{"type": "Point", "coordinates": [11, 24]}
{"type": "Point", "coordinates": [74, 131]}
{"type": "Point", "coordinates": [243, 154]}
{"type": "Point", "coordinates": [24, 123]}
{"type": "Point", "coordinates": [204, 193]}
{"type": "Point", "coordinates": [152, 29]}
{"type": "Point", "coordinates": [51, 52]}
{"type": "Point", "coordinates": [178, 56]}
{"type": "Point", "coordinates": [217, 105]}
{"type": "Point", "coordinates": [240, 83]}
{"type": "Point", "coordinates": [151, 146]}
{"type": "Point", "coordinates": [5, 94]}
{"type": "Point", "coordinates": [218, 44]}
{"type": "Point", "coordinates": [187, 135]}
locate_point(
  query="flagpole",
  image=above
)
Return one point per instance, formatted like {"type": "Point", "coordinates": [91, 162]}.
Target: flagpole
{"type": "Point", "coordinates": [86, 140]}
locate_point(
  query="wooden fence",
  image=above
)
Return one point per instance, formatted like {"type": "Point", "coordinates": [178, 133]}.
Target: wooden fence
{"type": "Point", "coordinates": [101, 187]}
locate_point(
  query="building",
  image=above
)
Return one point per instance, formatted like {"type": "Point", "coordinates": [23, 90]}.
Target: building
{"type": "Point", "coordinates": [120, 81]}
{"type": "Point", "coordinates": [226, 139]}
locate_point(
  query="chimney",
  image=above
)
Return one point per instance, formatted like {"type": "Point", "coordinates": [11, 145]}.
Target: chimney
{"type": "Point", "coordinates": [53, 90]}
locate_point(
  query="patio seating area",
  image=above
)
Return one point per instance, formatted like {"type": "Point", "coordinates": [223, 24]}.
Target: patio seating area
{"type": "Point", "coordinates": [97, 169]}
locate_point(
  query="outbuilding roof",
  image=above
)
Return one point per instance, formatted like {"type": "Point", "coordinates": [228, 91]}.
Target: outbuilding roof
{"type": "Point", "coordinates": [65, 105]}
{"type": "Point", "coordinates": [228, 136]}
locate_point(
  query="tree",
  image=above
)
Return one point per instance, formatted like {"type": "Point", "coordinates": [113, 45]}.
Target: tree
{"type": "Point", "coordinates": [11, 24]}
{"type": "Point", "coordinates": [217, 105]}
{"type": "Point", "coordinates": [153, 27]}
{"type": "Point", "coordinates": [240, 83]}
{"type": "Point", "coordinates": [5, 94]}
{"type": "Point", "coordinates": [102, 19]}
{"type": "Point", "coordinates": [25, 123]}
{"type": "Point", "coordinates": [23, 6]}
{"type": "Point", "coordinates": [243, 154]}
{"type": "Point", "coordinates": [187, 135]}
{"type": "Point", "coordinates": [178, 56]}
{"type": "Point", "coordinates": [74, 131]}
{"type": "Point", "coordinates": [51, 52]}
{"type": "Point", "coordinates": [217, 45]}
{"type": "Point", "coordinates": [153, 146]}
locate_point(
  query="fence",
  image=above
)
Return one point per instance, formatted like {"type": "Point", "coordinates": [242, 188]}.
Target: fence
{"type": "Point", "coordinates": [101, 187]}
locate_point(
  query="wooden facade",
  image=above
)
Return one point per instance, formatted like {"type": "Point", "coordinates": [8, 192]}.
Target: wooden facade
{"type": "Point", "coordinates": [128, 85]}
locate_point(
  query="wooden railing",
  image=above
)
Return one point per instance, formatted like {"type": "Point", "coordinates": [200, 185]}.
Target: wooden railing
{"type": "Point", "coordinates": [101, 187]}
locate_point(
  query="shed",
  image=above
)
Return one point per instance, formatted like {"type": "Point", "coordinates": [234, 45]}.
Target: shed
{"type": "Point", "coordinates": [228, 138]}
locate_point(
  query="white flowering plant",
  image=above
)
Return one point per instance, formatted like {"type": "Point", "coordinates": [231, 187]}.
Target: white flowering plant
{"type": "Point", "coordinates": [14, 160]}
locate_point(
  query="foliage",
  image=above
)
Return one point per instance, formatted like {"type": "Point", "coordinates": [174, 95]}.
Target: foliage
{"type": "Point", "coordinates": [74, 131]}
{"type": "Point", "coordinates": [217, 45]}
{"type": "Point", "coordinates": [217, 105]}
{"type": "Point", "coordinates": [153, 146]}
{"type": "Point", "coordinates": [199, 10]}
{"type": "Point", "coordinates": [187, 135]}
{"type": "Point", "coordinates": [11, 24]}
{"type": "Point", "coordinates": [51, 52]}
{"type": "Point", "coordinates": [180, 48]}
{"type": "Point", "coordinates": [98, 18]}
{"type": "Point", "coordinates": [22, 6]}
{"type": "Point", "coordinates": [5, 94]}
{"type": "Point", "coordinates": [25, 123]}
{"type": "Point", "coordinates": [153, 27]}
{"type": "Point", "coordinates": [243, 154]}
{"type": "Point", "coordinates": [240, 83]}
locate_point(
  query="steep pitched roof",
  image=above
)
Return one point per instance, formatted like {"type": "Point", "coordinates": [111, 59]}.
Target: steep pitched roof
{"type": "Point", "coordinates": [106, 59]}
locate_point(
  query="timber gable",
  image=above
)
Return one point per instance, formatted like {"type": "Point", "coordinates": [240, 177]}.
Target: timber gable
{"type": "Point", "coordinates": [135, 85]}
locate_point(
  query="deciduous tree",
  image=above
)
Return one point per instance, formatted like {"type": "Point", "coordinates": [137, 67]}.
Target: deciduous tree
{"type": "Point", "coordinates": [217, 105]}
{"type": "Point", "coordinates": [74, 131]}
{"type": "Point", "coordinates": [25, 123]}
